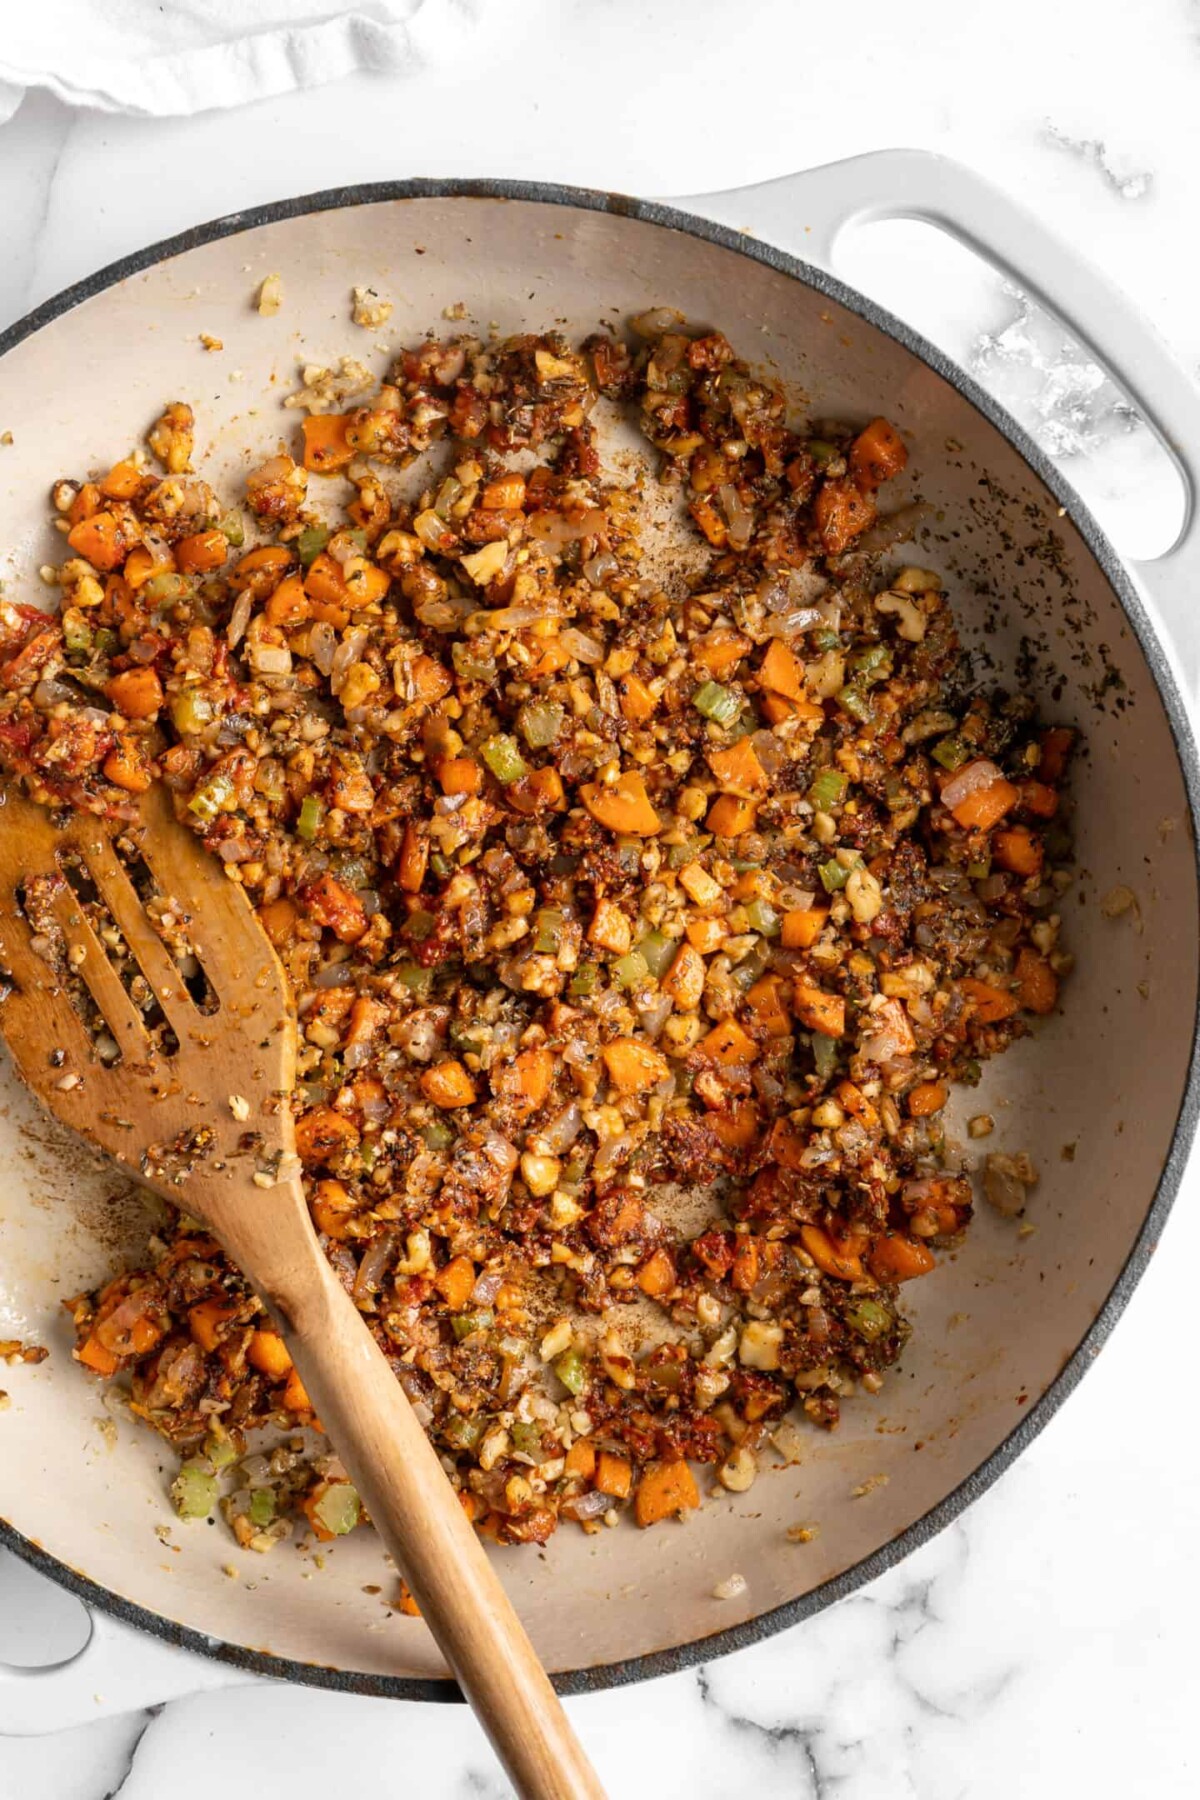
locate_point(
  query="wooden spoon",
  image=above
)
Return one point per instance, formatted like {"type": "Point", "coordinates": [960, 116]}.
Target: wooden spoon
{"type": "Point", "coordinates": [209, 1126]}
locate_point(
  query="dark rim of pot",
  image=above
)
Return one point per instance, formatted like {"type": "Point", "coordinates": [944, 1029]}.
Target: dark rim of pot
{"type": "Point", "coordinates": [753, 1631]}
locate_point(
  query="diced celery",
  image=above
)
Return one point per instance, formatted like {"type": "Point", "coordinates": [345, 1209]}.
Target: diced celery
{"type": "Point", "coordinates": [872, 664]}
{"type": "Point", "coordinates": [220, 1449]}
{"type": "Point", "coordinates": [368, 1152]}
{"type": "Point", "coordinates": [262, 1506]}
{"type": "Point", "coordinates": [526, 1437]}
{"type": "Point", "coordinates": [762, 917]}
{"type": "Point", "coordinates": [821, 451]}
{"type": "Point", "coordinates": [338, 1509]}
{"type": "Point", "coordinates": [950, 752]}
{"type": "Point", "coordinates": [657, 951]}
{"type": "Point", "coordinates": [462, 1433]}
{"type": "Point", "coordinates": [833, 876]}
{"type": "Point", "coordinates": [828, 789]}
{"type": "Point", "coordinates": [311, 542]}
{"type": "Point", "coordinates": [472, 663]}
{"type": "Point", "coordinates": [465, 1325]}
{"type": "Point", "coordinates": [584, 980]}
{"type": "Point", "coordinates": [720, 704]}
{"type": "Point", "coordinates": [825, 639]}
{"type": "Point", "coordinates": [105, 640]}
{"type": "Point", "coordinates": [358, 538]}
{"type": "Point", "coordinates": [548, 930]}
{"type": "Point", "coordinates": [210, 799]}
{"type": "Point", "coordinates": [629, 853]}
{"type": "Point", "coordinates": [194, 1491]}
{"type": "Point", "coordinates": [680, 855]}
{"type": "Point", "coordinates": [77, 633]}
{"type": "Point", "coordinates": [825, 1054]}
{"type": "Point", "coordinates": [191, 711]}
{"type": "Point", "coordinates": [571, 1371]}
{"type": "Point", "coordinates": [438, 1136]}
{"type": "Point", "coordinates": [856, 703]}
{"type": "Point", "coordinates": [979, 871]}
{"type": "Point", "coordinates": [441, 865]}
{"type": "Point", "coordinates": [233, 529]}
{"type": "Point", "coordinates": [631, 970]}
{"type": "Point", "coordinates": [540, 722]}
{"type": "Point", "coordinates": [160, 590]}
{"type": "Point", "coordinates": [419, 925]}
{"type": "Point", "coordinates": [870, 1318]}
{"type": "Point", "coordinates": [415, 978]}
{"type": "Point", "coordinates": [312, 814]}
{"type": "Point", "coordinates": [502, 754]}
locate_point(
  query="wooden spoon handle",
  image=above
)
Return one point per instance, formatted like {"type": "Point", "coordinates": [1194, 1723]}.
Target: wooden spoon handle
{"type": "Point", "coordinates": [417, 1513]}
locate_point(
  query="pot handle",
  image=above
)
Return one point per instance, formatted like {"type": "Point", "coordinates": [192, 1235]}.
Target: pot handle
{"type": "Point", "coordinates": [808, 212]}
{"type": "Point", "coordinates": [118, 1670]}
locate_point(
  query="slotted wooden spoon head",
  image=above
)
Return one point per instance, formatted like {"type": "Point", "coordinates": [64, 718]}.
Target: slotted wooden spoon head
{"type": "Point", "coordinates": [197, 1107]}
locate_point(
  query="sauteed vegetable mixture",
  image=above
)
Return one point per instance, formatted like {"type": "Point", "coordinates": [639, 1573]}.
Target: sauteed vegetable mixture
{"type": "Point", "coordinates": [641, 911]}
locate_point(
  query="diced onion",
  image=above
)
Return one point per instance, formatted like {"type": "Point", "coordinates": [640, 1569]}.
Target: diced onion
{"type": "Point", "coordinates": [970, 779]}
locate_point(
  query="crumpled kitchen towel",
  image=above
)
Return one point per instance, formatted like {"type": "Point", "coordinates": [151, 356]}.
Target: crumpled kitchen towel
{"type": "Point", "coordinates": [167, 57]}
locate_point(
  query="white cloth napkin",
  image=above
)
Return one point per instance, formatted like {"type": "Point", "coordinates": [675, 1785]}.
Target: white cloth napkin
{"type": "Point", "coordinates": [160, 57]}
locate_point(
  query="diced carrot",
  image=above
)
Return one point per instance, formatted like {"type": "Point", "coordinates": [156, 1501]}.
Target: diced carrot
{"type": "Point", "coordinates": [430, 681]}
{"type": "Point", "coordinates": [85, 505]}
{"type": "Point", "coordinates": [137, 693]}
{"type": "Point", "coordinates": [322, 1134]}
{"type": "Point", "coordinates": [201, 552]}
{"type": "Point", "coordinates": [980, 810]}
{"type": "Point", "coordinates": [1018, 850]}
{"type": "Point", "coordinates": [278, 919]}
{"type": "Point", "coordinates": [206, 1319]}
{"type": "Point", "coordinates": [822, 1012]}
{"type": "Point", "coordinates": [633, 1065]}
{"type": "Point", "coordinates": [637, 700]}
{"type": "Point", "coordinates": [746, 1265]}
{"type": "Point", "coordinates": [1037, 984]}
{"type": "Point", "coordinates": [367, 1016]}
{"type": "Point", "coordinates": [706, 935]}
{"type": "Point", "coordinates": [895, 1257]}
{"type": "Point", "coordinates": [657, 1274]}
{"type": "Point", "coordinates": [877, 453]}
{"type": "Point", "coordinates": [738, 1126]}
{"type": "Point", "coordinates": [295, 1395]}
{"type": "Point", "coordinates": [766, 1001]}
{"type": "Point", "coordinates": [782, 671]}
{"type": "Point", "coordinates": [333, 1206]}
{"type": "Point", "coordinates": [926, 1098]}
{"type": "Point", "coordinates": [534, 1071]}
{"type": "Point", "coordinates": [614, 1475]}
{"type": "Point", "coordinates": [289, 604]}
{"type": "Point", "coordinates": [94, 1356]}
{"type": "Point", "coordinates": [365, 582]}
{"type": "Point", "coordinates": [801, 927]}
{"type": "Point", "coordinates": [1057, 744]}
{"type": "Point", "coordinates": [610, 928]}
{"type": "Point", "coordinates": [624, 807]}
{"type": "Point", "coordinates": [102, 539]}
{"type": "Point", "coordinates": [455, 1281]}
{"type": "Point", "coordinates": [553, 655]}
{"type": "Point", "coordinates": [1038, 799]}
{"type": "Point", "coordinates": [337, 907]}
{"type": "Point", "coordinates": [665, 1490]}
{"type": "Point", "coordinates": [459, 775]}
{"type": "Point", "coordinates": [405, 1602]}
{"type": "Point", "coordinates": [580, 1460]}
{"type": "Point", "coordinates": [123, 480]}
{"type": "Point", "coordinates": [448, 1085]}
{"type": "Point", "coordinates": [833, 1256]}
{"type": "Point", "coordinates": [840, 512]}
{"type": "Point", "coordinates": [260, 571]}
{"type": "Point", "coordinates": [126, 767]}
{"type": "Point", "coordinates": [729, 817]}
{"type": "Point", "coordinates": [539, 791]}
{"type": "Point", "coordinates": [325, 447]}
{"type": "Point", "coordinates": [991, 1003]}
{"type": "Point", "coordinates": [738, 767]}
{"type": "Point", "coordinates": [852, 1100]}
{"type": "Point", "coordinates": [270, 1354]}
{"type": "Point", "coordinates": [728, 1045]}
{"type": "Point", "coordinates": [141, 565]}
{"type": "Point", "coordinates": [720, 651]}
{"type": "Point", "coordinates": [505, 494]}
{"type": "Point", "coordinates": [413, 859]}
{"type": "Point", "coordinates": [684, 980]}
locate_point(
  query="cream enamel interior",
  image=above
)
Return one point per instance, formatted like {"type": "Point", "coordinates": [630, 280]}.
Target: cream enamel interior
{"type": "Point", "coordinates": [996, 1324]}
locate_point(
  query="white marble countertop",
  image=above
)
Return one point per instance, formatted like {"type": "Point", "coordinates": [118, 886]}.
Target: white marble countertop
{"type": "Point", "coordinates": [1046, 1643]}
